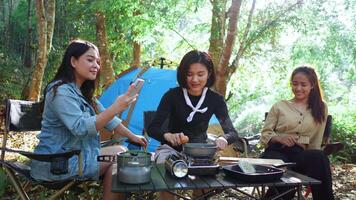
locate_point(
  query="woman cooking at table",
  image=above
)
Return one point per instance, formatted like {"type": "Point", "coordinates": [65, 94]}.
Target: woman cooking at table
{"type": "Point", "coordinates": [293, 132]}
{"type": "Point", "coordinates": [189, 108]}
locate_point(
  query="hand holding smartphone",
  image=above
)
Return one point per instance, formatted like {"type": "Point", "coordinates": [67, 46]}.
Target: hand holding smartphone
{"type": "Point", "coordinates": [137, 86]}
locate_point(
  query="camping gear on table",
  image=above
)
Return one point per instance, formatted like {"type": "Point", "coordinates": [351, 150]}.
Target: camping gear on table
{"type": "Point", "coordinates": [197, 150]}
{"type": "Point", "coordinates": [176, 166]}
{"type": "Point", "coordinates": [134, 167]}
{"type": "Point", "coordinates": [262, 173]}
{"type": "Point", "coordinates": [196, 159]}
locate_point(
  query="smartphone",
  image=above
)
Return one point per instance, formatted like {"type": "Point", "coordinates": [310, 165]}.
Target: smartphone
{"type": "Point", "coordinates": [137, 86]}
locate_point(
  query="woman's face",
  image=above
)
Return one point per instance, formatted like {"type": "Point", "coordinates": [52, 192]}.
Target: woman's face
{"type": "Point", "coordinates": [197, 78]}
{"type": "Point", "coordinates": [301, 86]}
{"type": "Point", "coordinates": [86, 67]}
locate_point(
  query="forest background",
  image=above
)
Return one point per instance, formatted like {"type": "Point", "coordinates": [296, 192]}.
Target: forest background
{"type": "Point", "coordinates": [254, 44]}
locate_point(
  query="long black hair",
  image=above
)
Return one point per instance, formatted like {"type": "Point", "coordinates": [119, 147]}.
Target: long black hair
{"type": "Point", "coordinates": [190, 58]}
{"type": "Point", "coordinates": [65, 73]}
{"type": "Point", "coordinates": [315, 100]}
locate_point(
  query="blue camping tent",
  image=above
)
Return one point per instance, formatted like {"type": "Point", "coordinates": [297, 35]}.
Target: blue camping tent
{"type": "Point", "coordinates": [157, 82]}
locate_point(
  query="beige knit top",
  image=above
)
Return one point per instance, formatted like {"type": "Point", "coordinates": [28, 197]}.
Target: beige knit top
{"type": "Point", "coordinates": [284, 118]}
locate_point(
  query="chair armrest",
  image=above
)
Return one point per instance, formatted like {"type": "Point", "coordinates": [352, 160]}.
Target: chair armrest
{"type": "Point", "coordinates": [241, 145]}
{"type": "Point", "coordinates": [332, 148]}
{"type": "Point", "coordinates": [44, 157]}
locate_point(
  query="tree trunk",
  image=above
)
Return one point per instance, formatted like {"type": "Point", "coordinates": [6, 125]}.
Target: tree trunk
{"type": "Point", "coordinates": [27, 58]}
{"type": "Point", "coordinates": [8, 26]}
{"type": "Point", "coordinates": [107, 74]}
{"type": "Point", "coordinates": [3, 19]}
{"type": "Point", "coordinates": [243, 41]}
{"type": "Point", "coordinates": [50, 19]}
{"type": "Point", "coordinates": [44, 32]}
{"type": "Point", "coordinates": [136, 55]}
{"type": "Point", "coordinates": [222, 71]}
{"type": "Point", "coordinates": [217, 31]}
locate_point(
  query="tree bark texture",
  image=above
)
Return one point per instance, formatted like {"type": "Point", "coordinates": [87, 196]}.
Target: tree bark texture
{"type": "Point", "coordinates": [243, 40]}
{"type": "Point", "coordinates": [44, 34]}
{"type": "Point", "coordinates": [222, 72]}
{"type": "Point", "coordinates": [8, 27]}
{"type": "Point", "coordinates": [27, 58]}
{"type": "Point", "coordinates": [50, 19]}
{"type": "Point", "coordinates": [107, 75]}
{"type": "Point", "coordinates": [136, 51]}
{"type": "Point", "coordinates": [217, 31]}
{"type": "Point", "coordinates": [3, 19]}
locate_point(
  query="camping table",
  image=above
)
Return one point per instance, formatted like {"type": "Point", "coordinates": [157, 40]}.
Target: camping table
{"type": "Point", "coordinates": [160, 181]}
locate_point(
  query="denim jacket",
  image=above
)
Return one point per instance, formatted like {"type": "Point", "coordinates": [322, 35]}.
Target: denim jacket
{"type": "Point", "coordinates": [69, 123]}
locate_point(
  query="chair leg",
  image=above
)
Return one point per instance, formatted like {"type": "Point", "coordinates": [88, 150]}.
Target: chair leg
{"type": "Point", "coordinates": [61, 191]}
{"type": "Point", "coordinates": [16, 184]}
{"type": "Point", "coordinates": [86, 189]}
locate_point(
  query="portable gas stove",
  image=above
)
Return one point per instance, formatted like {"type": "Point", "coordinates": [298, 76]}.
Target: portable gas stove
{"type": "Point", "coordinates": [202, 165]}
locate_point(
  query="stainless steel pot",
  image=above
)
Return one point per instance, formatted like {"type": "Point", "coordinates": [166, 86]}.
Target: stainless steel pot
{"type": "Point", "coordinates": [134, 167]}
{"type": "Point", "coordinates": [200, 149]}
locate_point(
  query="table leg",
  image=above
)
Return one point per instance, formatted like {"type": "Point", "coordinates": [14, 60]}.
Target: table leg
{"type": "Point", "coordinates": [282, 194]}
{"type": "Point", "coordinates": [126, 195]}
{"type": "Point", "coordinates": [299, 192]}
{"type": "Point", "coordinates": [176, 194]}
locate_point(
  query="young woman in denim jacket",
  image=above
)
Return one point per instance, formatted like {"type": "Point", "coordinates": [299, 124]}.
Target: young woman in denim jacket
{"type": "Point", "coordinates": [72, 118]}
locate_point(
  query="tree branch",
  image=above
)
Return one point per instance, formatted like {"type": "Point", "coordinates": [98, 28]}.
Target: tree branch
{"type": "Point", "coordinates": [244, 37]}
{"type": "Point", "coordinates": [259, 34]}
{"type": "Point", "coordinates": [234, 12]}
{"type": "Point", "coordinates": [183, 38]}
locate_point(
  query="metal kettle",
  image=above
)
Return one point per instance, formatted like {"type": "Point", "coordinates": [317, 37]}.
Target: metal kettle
{"type": "Point", "coordinates": [134, 167]}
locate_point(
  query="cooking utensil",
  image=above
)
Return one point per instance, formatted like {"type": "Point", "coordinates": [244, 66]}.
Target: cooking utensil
{"type": "Point", "coordinates": [207, 170]}
{"type": "Point", "coordinates": [263, 173]}
{"type": "Point", "coordinates": [200, 149]}
{"type": "Point", "coordinates": [176, 166]}
{"type": "Point", "coordinates": [134, 167]}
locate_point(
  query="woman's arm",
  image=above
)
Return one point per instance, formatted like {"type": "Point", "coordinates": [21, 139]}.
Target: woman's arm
{"type": "Point", "coordinates": [125, 132]}
{"type": "Point", "coordinates": [154, 129]}
{"type": "Point", "coordinates": [230, 133]}
{"type": "Point", "coordinates": [120, 104]}
{"type": "Point", "coordinates": [269, 126]}
{"type": "Point", "coordinates": [268, 134]}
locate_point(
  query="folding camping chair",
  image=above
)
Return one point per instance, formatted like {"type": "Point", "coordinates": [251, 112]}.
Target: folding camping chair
{"type": "Point", "coordinates": [26, 116]}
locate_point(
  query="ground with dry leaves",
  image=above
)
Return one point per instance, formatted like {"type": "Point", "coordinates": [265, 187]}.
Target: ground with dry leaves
{"type": "Point", "coordinates": [344, 175]}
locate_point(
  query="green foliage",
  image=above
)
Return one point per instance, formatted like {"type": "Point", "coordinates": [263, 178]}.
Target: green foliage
{"type": "Point", "coordinates": [344, 130]}
{"type": "Point", "coordinates": [11, 78]}
{"type": "Point", "coordinates": [326, 42]}
{"type": "Point", "coordinates": [319, 32]}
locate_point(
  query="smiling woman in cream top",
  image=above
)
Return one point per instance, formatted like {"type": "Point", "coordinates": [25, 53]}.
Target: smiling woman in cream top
{"type": "Point", "coordinates": [293, 132]}
{"type": "Point", "coordinates": [284, 118]}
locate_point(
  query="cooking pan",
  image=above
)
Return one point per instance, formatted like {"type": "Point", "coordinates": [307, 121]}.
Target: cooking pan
{"type": "Point", "coordinates": [200, 149]}
{"type": "Point", "coordinates": [263, 173]}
